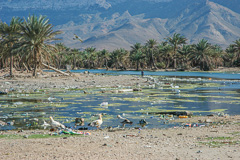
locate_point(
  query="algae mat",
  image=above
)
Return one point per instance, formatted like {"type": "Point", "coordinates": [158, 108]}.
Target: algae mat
{"type": "Point", "coordinates": [28, 111]}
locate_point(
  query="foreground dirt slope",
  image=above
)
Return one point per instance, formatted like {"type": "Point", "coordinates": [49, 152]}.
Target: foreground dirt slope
{"type": "Point", "coordinates": [220, 141]}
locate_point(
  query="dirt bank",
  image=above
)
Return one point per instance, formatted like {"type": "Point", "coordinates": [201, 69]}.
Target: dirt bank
{"type": "Point", "coordinates": [220, 141]}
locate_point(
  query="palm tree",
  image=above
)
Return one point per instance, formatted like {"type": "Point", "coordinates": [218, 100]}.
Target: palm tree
{"type": "Point", "coordinates": [2, 51]}
{"type": "Point", "coordinates": [136, 54]}
{"type": "Point", "coordinates": [165, 54]}
{"type": "Point", "coordinates": [118, 57]}
{"type": "Point", "coordinates": [175, 42]}
{"type": "Point", "coordinates": [230, 56]}
{"type": "Point", "coordinates": [36, 34]}
{"type": "Point", "coordinates": [74, 54]}
{"type": "Point", "coordinates": [151, 50]}
{"type": "Point", "coordinates": [8, 34]}
{"type": "Point", "coordinates": [201, 54]}
{"type": "Point", "coordinates": [104, 56]}
{"type": "Point", "coordinates": [236, 46]}
{"type": "Point", "coordinates": [184, 55]}
{"type": "Point", "coordinates": [59, 56]}
{"type": "Point", "coordinates": [91, 56]}
{"type": "Point", "coordinates": [217, 55]}
{"type": "Point", "coordinates": [124, 58]}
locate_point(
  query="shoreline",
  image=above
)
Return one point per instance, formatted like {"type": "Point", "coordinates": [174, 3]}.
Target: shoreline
{"type": "Point", "coordinates": [219, 69]}
{"type": "Point", "coordinates": [216, 141]}
{"type": "Point", "coordinates": [53, 80]}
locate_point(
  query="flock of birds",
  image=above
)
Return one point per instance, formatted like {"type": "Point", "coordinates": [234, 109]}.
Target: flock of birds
{"type": "Point", "coordinates": [96, 123]}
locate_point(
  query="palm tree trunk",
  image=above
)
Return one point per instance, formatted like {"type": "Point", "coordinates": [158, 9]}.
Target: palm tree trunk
{"type": "Point", "coordinates": [137, 65]}
{"type": "Point", "coordinates": [175, 61]}
{"type": "Point", "coordinates": [11, 61]}
{"type": "Point", "coordinates": [167, 65]}
{"type": "Point", "coordinates": [154, 64]}
{"type": "Point", "coordinates": [106, 64]}
{"type": "Point", "coordinates": [35, 70]}
{"type": "Point", "coordinates": [25, 67]}
{"type": "Point", "coordinates": [66, 74]}
{"type": "Point", "coordinates": [11, 65]}
{"type": "Point", "coordinates": [35, 64]}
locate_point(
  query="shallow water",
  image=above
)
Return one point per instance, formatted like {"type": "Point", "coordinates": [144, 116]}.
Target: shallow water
{"type": "Point", "coordinates": [200, 96]}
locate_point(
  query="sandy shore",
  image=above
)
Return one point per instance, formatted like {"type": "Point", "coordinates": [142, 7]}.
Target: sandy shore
{"type": "Point", "coordinates": [218, 140]}
{"type": "Point", "coordinates": [47, 80]}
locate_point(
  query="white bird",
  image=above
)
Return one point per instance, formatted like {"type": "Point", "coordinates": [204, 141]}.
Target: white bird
{"type": "Point", "coordinates": [51, 98]}
{"type": "Point", "coordinates": [55, 124]}
{"type": "Point", "coordinates": [97, 123]}
{"type": "Point", "coordinates": [126, 121]}
{"type": "Point", "coordinates": [45, 124]}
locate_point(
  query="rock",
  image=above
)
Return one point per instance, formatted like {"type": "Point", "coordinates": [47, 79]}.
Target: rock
{"type": "Point", "coordinates": [125, 90]}
{"type": "Point", "coordinates": [210, 115]}
{"type": "Point", "coordinates": [208, 121]}
{"type": "Point", "coordinates": [137, 89]}
{"type": "Point", "coordinates": [26, 136]}
{"type": "Point", "coordinates": [199, 151]}
{"type": "Point", "coordinates": [86, 72]}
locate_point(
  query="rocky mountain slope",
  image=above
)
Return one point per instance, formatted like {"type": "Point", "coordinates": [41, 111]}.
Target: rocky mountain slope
{"type": "Point", "coordinates": [112, 24]}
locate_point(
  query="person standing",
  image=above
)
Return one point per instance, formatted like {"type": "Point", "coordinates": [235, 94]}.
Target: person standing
{"type": "Point", "coordinates": [142, 73]}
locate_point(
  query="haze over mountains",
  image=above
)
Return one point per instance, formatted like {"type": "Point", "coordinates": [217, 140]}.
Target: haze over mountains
{"type": "Point", "coordinates": [113, 24]}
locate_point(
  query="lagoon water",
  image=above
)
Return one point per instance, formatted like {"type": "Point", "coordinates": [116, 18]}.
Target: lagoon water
{"type": "Point", "coordinates": [199, 92]}
{"type": "Point", "coordinates": [223, 75]}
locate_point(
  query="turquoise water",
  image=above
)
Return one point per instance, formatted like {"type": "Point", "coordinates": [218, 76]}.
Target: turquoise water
{"type": "Point", "coordinates": [198, 95]}
{"type": "Point", "coordinates": [224, 75]}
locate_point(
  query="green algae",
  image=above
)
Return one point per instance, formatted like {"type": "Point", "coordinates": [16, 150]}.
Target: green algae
{"type": "Point", "coordinates": [219, 138]}
{"type": "Point", "coordinates": [211, 111]}
{"type": "Point", "coordinates": [220, 143]}
{"type": "Point", "coordinates": [84, 113]}
{"type": "Point", "coordinates": [115, 104]}
{"type": "Point", "coordinates": [136, 99]}
{"type": "Point", "coordinates": [180, 107]}
{"type": "Point", "coordinates": [136, 103]}
{"type": "Point", "coordinates": [100, 109]}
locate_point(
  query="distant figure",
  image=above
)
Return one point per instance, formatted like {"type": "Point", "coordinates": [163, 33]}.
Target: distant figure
{"type": "Point", "coordinates": [142, 73]}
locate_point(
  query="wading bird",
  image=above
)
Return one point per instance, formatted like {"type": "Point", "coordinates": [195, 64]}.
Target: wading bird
{"type": "Point", "coordinates": [54, 124]}
{"type": "Point", "coordinates": [125, 120]}
{"type": "Point", "coordinates": [97, 123]}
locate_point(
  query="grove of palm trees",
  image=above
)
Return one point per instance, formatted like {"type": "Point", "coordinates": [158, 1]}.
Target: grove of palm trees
{"type": "Point", "coordinates": [26, 43]}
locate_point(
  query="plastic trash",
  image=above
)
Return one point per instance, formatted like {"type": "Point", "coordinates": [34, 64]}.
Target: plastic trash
{"type": "Point", "coordinates": [188, 125]}
{"type": "Point", "coordinates": [106, 137]}
{"type": "Point", "coordinates": [72, 132]}
{"type": "Point", "coordinates": [181, 116]}
{"type": "Point", "coordinates": [104, 104]}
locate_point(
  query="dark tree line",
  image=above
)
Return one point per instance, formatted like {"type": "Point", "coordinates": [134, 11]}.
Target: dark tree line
{"type": "Point", "coordinates": [26, 43]}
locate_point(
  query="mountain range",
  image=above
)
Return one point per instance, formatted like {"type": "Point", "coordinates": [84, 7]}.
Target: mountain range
{"type": "Point", "coordinates": [112, 24]}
